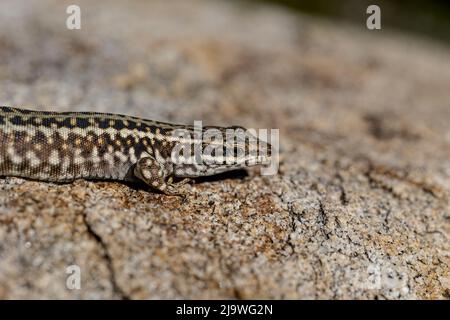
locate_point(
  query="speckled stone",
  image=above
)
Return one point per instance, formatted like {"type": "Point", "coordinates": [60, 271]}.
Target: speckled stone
{"type": "Point", "coordinates": [359, 209]}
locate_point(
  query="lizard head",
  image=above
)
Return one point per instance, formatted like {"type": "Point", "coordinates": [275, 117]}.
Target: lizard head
{"type": "Point", "coordinates": [224, 149]}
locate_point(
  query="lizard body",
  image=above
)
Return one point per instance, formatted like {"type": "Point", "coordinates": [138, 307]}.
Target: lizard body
{"type": "Point", "coordinates": [65, 146]}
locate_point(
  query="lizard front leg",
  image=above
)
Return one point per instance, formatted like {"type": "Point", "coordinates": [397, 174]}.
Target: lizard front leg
{"type": "Point", "coordinates": [157, 175]}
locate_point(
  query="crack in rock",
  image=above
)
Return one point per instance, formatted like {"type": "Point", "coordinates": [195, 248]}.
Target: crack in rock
{"type": "Point", "coordinates": [106, 257]}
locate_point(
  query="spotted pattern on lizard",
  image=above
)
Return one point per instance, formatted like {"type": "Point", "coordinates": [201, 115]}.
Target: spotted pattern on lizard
{"type": "Point", "coordinates": [65, 146]}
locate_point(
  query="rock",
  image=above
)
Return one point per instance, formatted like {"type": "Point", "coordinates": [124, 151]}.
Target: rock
{"type": "Point", "coordinates": [359, 208]}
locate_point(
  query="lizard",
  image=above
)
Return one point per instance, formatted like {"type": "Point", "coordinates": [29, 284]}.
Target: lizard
{"type": "Point", "coordinates": [66, 146]}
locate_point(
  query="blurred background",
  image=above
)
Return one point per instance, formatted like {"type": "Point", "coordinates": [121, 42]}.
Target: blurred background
{"type": "Point", "coordinates": [429, 18]}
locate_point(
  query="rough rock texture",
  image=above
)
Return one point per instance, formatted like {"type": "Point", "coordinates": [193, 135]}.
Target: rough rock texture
{"type": "Point", "coordinates": [359, 209]}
